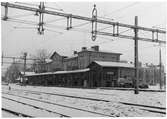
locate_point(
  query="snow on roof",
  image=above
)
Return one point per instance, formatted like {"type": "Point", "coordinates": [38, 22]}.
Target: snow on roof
{"type": "Point", "coordinates": [27, 73]}
{"type": "Point", "coordinates": [48, 60]}
{"type": "Point", "coordinates": [71, 57]}
{"type": "Point", "coordinates": [114, 64]}
{"type": "Point", "coordinates": [58, 72]}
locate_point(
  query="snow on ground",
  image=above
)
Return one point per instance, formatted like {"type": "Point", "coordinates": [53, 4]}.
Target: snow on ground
{"type": "Point", "coordinates": [25, 109]}
{"type": "Point", "coordinates": [156, 87]}
{"type": "Point", "coordinates": [147, 98]}
{"type": "Point", "coordinates": [54, 108]}
{"type": "Point", "coordinates": [111, 108]}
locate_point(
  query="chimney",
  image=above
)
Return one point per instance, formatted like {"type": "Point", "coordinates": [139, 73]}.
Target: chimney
{"type": "Point", "coordinates": [95, 48]}
{"type": "Point", "coordinates": [75, 52]}
{"type": "Point", "coordinates": [84, 48]}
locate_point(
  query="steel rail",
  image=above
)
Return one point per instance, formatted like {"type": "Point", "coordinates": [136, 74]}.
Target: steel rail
{"type": "Point", "coordinates": [58, 104]}
{"type": "Point", "coordinates": [61, 115]}
{"type": "Point", "coordinates": [93, 99]}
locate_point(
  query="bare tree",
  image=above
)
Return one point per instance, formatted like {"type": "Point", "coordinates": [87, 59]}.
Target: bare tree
{"type": "Point", "coordinates": [13, 72]}
{"type": "Point", "coordinates": [39, 64]}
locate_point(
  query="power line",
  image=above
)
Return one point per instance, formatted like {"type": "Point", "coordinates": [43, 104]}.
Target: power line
{"type": "Point", "coordinates": [82, 24]}
{"type": "Point", "coordinates": [64, 28]}
{"type": "Point", "coordinates": [105, 18]}
{"type": "Point", "coordinates": [54, 20]}
{"type": "Point", "coordinates": [104, 28]}
{"type": "Point", "coordinates": [30, 4]}
{"type": "Point", "coordinates": [15, 27]}
{"type": "Point", "coordinates": [122, 8]}
{"type": "Point", "coordinates": [125, 31]}
{"type": "Point", "coordinates": [81, 30]}
{"type": "Point", "coordinates": [79, 17]}
{"type": "Point", "coordinates": [22, 15]}
{"type": "Point", "coordinates": [95, 21]}
{"type": "Point", "coordinates": [59, 8]}
{"type": "Point", "coordinates": [117, 10]}
{"type": "Point", "coordinates": [22, 21]}
{"type": "Point", "coordinates": [54, 8]}
{"type": "Point", "coordinates": [53, 31]}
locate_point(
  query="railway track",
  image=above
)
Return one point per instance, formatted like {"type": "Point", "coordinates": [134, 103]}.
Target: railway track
{"type": "Point", "coordinates": [92, 99]}
{"type": "Point", "coordinates": [36, 107]}
{"type": "Point", "coordinates": [154, 109]}
{"type": "Point", "coordinates": [70, 109]}
{"type": "Point", "coordinates": [15, 113]}
{"type": "Point", "coordinates": [17, 108]}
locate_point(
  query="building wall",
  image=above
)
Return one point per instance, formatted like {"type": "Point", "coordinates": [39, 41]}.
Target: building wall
{"type": "Point", "coordinates": [86, 57]}
{"type": "Point", "coordinates": [126, 72]}
{"type": "Point", "coordinates": [110, 77]}
{"type": "Point", "coordinates": [70, 63]}
{"type": "Point", "coordinates": [56, 64]}
{"type": "Point", "coordinates": [81, 60]}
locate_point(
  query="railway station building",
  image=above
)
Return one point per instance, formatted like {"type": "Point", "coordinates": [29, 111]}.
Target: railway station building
{"type": "Point", "coordinates": [81, 59]}
{"type": "Point", "coordinates": [86, 68]}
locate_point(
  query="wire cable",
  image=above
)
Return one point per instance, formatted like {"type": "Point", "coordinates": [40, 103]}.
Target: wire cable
{"type": "Point", "coordinates": [104, 28]}
{"type": "Point", "coordinates": [125, 31]}
{"type": "Point", "coordinates": [21, 15]}
{"type": "Point", "coordinates": [15, 27]}
{"type": "Point", "coordinates": [118, 10]}
{"type": "Point", "coordinates": [59, 8]}
{"type": "Point", "coordinates": [122, 8]}
{"type": "Point", "coordinates": [53, 31]}
{"type": "Point", "coordinates": [105, 18]}
{"type": "Point", "coordinates": [54, 8]}
{"type": "Point", "coordinates": [23, 21]}
{"type": "Point", "coordinates": [82, 24]}
{"type": "Point", "coordinates": [30, 4]}
{"type": "Point", "coordinates": [54, 20]}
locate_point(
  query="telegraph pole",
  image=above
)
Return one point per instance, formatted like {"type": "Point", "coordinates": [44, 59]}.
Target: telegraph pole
{"type": "Point", "coordinates": [160, 69]}
{"type": "Point", "coordinates": [25, 56]}
{"type": "Point", "coordinates": [136, 90]}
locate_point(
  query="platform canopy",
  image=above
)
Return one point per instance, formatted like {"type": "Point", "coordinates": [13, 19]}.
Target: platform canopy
{"type": "Point", "coordinates": [57, 72]}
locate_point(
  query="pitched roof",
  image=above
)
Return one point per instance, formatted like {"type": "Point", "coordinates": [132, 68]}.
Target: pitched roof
{"type": "Point", "coordinates": [114, 64]}
{"type": "Point", "coordinates": [55, 53]}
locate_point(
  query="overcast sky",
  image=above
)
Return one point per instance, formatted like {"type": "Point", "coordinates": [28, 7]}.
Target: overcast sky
{"type": "Point", "coordinates": [17, 38]}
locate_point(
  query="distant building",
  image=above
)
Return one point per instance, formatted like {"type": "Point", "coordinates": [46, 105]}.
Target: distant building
{"type": "Point", "coordinates": [57, 62]}
{"type": "Point", "coordinates": [151, 74]}
{"type": "Point", "coordinates": [81, 59]}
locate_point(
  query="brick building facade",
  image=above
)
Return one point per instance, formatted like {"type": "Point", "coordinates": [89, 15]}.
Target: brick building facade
{"type": "Point", "coordinates": [80, 60]}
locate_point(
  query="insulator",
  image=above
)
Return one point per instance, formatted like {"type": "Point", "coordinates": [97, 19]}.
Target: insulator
{"type": "Point", "coordinates": [94, 23]}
